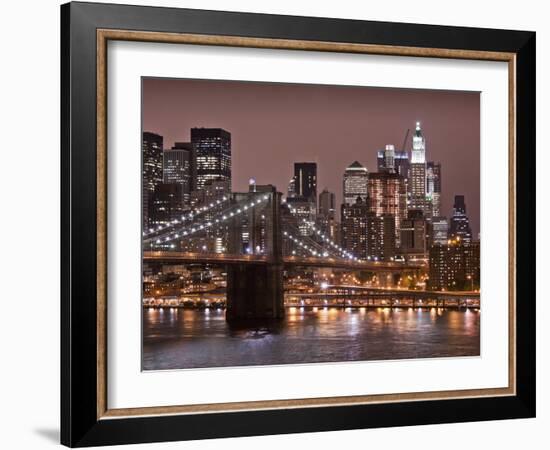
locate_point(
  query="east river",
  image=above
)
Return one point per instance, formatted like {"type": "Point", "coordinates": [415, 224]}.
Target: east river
{"type": "Point", "coordinates": [177, 338]}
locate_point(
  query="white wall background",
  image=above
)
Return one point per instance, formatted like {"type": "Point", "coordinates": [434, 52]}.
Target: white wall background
{"type": "Point", "coordinates": [29, 195]}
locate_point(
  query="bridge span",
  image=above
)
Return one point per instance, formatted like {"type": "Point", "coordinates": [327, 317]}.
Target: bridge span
{"type": "Point", "coordinates": [171, 257]}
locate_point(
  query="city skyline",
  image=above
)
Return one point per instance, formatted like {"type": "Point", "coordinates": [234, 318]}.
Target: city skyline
{"type": "Point", "coordinates": [176, 128]}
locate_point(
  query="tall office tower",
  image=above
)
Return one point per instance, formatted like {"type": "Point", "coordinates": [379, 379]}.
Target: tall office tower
{"type": "Point", "coordinates": [413, 234]}
{"type": "Point", "coordinates": [166, 204]}
{"type": "Point", "coordinates": [326, 217]}
{"type": "Point", "coordinates": [354, 227]}
{"type": "Point", "coordinates": [356, 178]}
{"type": "Point", "coordinates": [401, 163]}
{"type": "Point", "coordinates": [380, 236]}
{"type": "Point", "coordinates": [387, 194]}
{"type": "Point", "coordinates": [305, 180]}
{"type": "Point", "coordinates": [212, 153]}
{"type": "Point", "coordinates": [417, 181]}
{"type": "Point", "coordinates": [176, 167]}
{"type": "Point", "coordinates": [389, 158]}
{"type": "Point", "coordinates": [327, 204]}
{"type": "Point", "coordinates": [454, 266]}
{"type": "Point", "coordinates": [291, 191]}
{"type": "Point", "coordinates": [305, 212]}
{"type": "Point", "coordinates": [151, 148]}
{"type": "Point", "coordinates": [433, 186]}
{"type": "Point", "coordinates": [460, 225]}
{"type": "Point", "coordinates": [438, 231]}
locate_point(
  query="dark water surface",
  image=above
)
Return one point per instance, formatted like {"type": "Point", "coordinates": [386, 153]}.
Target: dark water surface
{"type": "Point", "coordinates": [182, 338]}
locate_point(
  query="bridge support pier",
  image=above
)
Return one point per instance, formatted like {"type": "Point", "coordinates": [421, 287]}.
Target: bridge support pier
{"type": "Point", "coordinates": [255, 291]}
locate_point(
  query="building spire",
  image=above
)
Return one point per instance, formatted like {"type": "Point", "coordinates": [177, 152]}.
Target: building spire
{"type": "Point", "coordinates": [418, 131]}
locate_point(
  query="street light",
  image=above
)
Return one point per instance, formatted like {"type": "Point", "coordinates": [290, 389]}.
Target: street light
{"type": "Point", "coordinates": [471, 282]}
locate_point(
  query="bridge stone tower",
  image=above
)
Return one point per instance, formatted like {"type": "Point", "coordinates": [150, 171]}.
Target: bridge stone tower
{"type": "Point", "coordinates": [255, 288]}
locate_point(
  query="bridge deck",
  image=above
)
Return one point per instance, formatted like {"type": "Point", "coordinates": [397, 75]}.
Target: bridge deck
{"type": "Point", "coordinates": [220, 258]}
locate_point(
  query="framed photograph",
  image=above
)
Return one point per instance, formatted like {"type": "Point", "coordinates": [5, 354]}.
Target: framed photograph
{"type": "Point", "coordinates": [276, 224]}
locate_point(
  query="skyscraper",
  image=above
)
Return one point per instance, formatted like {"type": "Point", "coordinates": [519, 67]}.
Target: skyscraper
{"type": "Point", "coordinates": [380, 236]}
{"type": "Point", "coordinates": [305, 180]}
{"type": "Point", "coordinates": [433, 186]}
{"type": "Point", "coordinates": [166, 204]}
{"type": "Point", "coordinates": [291, 191]}
{"type": "Point", "coordinates": [354, 227]}
{"type": "Point", "coordinates": [388, 195]}
{"type": "Point", "coordinates": [305, 212]}
{"type": "Point", "coordinates": [151, 170]}
{"type": "Point", "coordinates": [417, 181]}
{"type": "Point", "coordinates": [401, 162]}
{"type": "Point", "coordinates": [460, 225]}
{"type": "Point", "coordinates": [413, 234]}
{"type": "Point", "coordinates": [327, 204]}
{"type": "Point", "coordinates": [438, 231]}
{"type": "Point", "coordinates": [212, 153]}
{"type": "Point", "coordinates": [389, 158]}
{"type": "Point", "coordinates": [454, 266]}
{"type": "Point", "coordinates": [327, 214]}
{"type": "Point", "coordinates": [356, 179]}
{"type": "Point", "coordinates": [177, 167]}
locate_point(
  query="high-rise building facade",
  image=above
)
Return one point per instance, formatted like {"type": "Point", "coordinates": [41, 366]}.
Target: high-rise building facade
{"type": "Point", "coordinates": [417, 181]}
{"type": "Point", "coordinates": [354, 227]}
{"type": "Point", "coordinates": [305, 180]}
{"type": "Point", "coordinates": [438, 231]}
{"type": "Point", "coordinates": [326, 216]}
{"type": "Point", "coordinates": [381, 242]}
{"type": "Point", "coordinates": [291, 191]}
{"type": "Point", "coordinates": [305, 212]}
{"type": "Point", "coordinates": [460, 224]}
{"type": "Point", "coordinates": [388, 195]}
{"type": "Point", "coordinates": [413, 234]}
{"type": "Point", "coordinates": [176, 168]}
{"type": "Point", "coordinates": [152, 145]}
{"type": "Point", "coordinates": [401, 163]}
{"type": "Point", "coordinates": [212, 154]}
{"type": "Point", "coordinates": [166, 204]}
{"type": "Point", "coordinates": [433, 186]}
{"type": "Point", "coordinates": [327, 204]}
{"type": "Point", "coordinates": [356, 178]}
{"type": "Point", "coordinates": [454, 266]}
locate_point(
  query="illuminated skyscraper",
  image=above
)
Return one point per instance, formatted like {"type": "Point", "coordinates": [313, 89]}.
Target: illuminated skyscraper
{"type": "Point", "coordinates": [438, 231]}
{"type": "Point", "coordinates": [354, 227]}
{"type": "Point", "coordinates": [166, 204]}
{"type": "Point", "coordinates": [291, 191]}
{"type": "Point", "coordinates": [305, 212]}
{"type": "Point", "coordinates": [151, 170]}
{"type": "Point", "coordinates": [417, 181]}
{"type": "Point", "coordinates": [460, 225]}
{"type": "Point", "coordinates": [454, 266]}
{"type": "Point", "coordinates": [388, 196]}
{"type": "Point", "coordinates": [305, 180]}
{"type": "Point", "coordinates": [389, 158]}
{"type": "Point", "coordinates": [380, 236]}
{"type": "Point", "coordinates": [413, 234]}
{"type": "Point", "coordinates": [327, 204]}
{"type": "Point", "coordinates": [212, 154]}
{"type": "Point", "coordinates": [177, 167]}
{"type": "Point", "coordinates": [356, 178]}
{"type": "Point", "coordinates": [401, 163]}
{"type": "Point", "coordinates": [433, 186]}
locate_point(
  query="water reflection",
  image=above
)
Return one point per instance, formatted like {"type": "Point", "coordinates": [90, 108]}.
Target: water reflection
{"type": "Point", "coordinates": [181, 338]}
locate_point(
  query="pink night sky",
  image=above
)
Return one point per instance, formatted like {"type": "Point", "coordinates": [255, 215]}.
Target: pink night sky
{"type": "Point", "coordinates": [274, 125]}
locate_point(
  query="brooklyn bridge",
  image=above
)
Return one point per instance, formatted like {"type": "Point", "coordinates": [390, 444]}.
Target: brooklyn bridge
{"type": "Point", "coordinates": [259, 236]}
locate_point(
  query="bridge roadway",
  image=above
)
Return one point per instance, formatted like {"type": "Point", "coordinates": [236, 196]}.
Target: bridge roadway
{"type": "Point", "coordinates": [220, 258]}
{"type": "Point", "coordinates": [370, 291]}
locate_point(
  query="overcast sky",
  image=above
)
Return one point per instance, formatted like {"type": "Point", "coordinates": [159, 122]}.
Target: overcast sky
{"type": "Point", "coordinates": [273, 125]}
